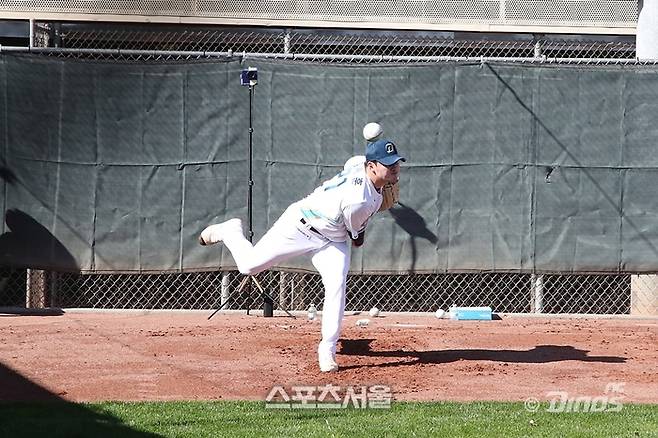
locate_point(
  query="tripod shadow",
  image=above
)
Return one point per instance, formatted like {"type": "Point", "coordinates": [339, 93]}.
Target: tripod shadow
{"type": "Point", "coordinates": [538, 354]}
{"type": "Point", "coordinates": [413, 224]}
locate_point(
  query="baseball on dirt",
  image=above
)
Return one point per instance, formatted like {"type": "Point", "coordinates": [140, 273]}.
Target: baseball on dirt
{"type": "Point", "coordinates": [372, 131]}
{"type": "Point", "coordinates": [440, 313]}
{"type": "Point", "coordinates": [374, 312]}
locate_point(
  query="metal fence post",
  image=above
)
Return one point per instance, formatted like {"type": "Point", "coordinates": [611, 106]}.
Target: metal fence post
{"type": "Point", "coordinates": [537, 293]}
{"type": "Point", "coordinates": [36, 289]}
{"type": "Point", "coordinates": [225, 289]}
{"type": "Point", "coordinates": [644, 295]}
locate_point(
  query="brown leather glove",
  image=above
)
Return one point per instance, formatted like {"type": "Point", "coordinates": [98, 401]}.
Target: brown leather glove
{"type": "Point", "coordinates": [391, 195]}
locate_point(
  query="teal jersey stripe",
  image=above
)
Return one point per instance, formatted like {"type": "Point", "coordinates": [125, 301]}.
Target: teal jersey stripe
{"type": "Point", "coordinates": [311, 214]}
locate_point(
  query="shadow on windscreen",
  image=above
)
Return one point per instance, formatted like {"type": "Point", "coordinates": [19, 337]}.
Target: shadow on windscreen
{"type": "Point", "coordinates": [615, 203]}
{"type": "Point", "coordinates": [7, 175]}
{"type": "Point", "coordinates": [413, 224]}
{"type": "Point", "coordinates": [28, 243]}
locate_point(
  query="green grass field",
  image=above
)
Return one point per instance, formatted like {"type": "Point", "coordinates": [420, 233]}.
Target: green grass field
{"type": "Point", "coordinates": [252, 419]}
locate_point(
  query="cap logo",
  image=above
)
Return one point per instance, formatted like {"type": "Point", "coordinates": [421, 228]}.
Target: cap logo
{"type": "Point", "coordinates": [390, 148]}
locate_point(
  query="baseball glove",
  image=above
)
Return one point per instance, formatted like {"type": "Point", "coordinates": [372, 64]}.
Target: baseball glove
{"type": "Point", "coordinates": [359, 239]}
{"type": "Point", "coordinates": [391, 195]}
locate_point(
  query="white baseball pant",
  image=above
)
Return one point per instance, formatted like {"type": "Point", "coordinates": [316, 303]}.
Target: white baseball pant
{"type": "Point", "coordinates": [287, 238]}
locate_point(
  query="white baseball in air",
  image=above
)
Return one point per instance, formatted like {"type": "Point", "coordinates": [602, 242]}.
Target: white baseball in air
{"type": "Point", "coordinates": [440, 313]}
{"type": "Point", "coordinates": [372, 131]}
{"type": "Point", "coordinates": [374, 312]}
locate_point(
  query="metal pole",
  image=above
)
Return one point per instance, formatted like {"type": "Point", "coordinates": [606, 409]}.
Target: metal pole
{"type": "Point", "coordinates": [31, 32]}
{"type": "Point", "coordinates": [537, 293]}
{"type": "Point", "coordinates": [251, 180]}
{"type": "Point", "coordinates": [250, 183]}
{"type": "Point", "coordinates": [268, 304]}
{"type": "Point", "coordinates": [286, 42]}
{"type": "Point", "coordinates": [538, 50]}
{"type": "Point", "coordinates": [225, 293]}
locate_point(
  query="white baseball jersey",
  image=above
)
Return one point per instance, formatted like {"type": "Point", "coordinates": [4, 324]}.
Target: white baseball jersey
{"type": "Point", "coordinates": [342, 205]}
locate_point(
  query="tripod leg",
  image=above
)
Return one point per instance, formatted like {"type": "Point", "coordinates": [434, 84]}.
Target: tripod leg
{"type": "Point", "coordinates": [242, 283]}
{"type": "Point", "coordinates": [245, 285]}
{"type": "Point", "coordinates": [247, 288]}
{"type": "Point", "coordinates": [218, 309]}
{"type": "Point", "coordinates": [262, 291]}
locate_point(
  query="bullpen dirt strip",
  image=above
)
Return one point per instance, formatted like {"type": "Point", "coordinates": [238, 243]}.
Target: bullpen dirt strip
{"type": "Point", "coordinates": [178, 356]}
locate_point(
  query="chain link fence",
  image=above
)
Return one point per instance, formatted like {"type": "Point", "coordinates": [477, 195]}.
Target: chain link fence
{"type": "Point", "coordinates": [504, 292]}
{"type": "Point", "coordinates": [620, 294]}
{"type": "Point", "coordinates": [13, 287]}
{"type": "Point", "coordinates": [130, 43]}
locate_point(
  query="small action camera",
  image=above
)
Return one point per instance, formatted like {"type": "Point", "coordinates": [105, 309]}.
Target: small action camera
{"type": "Point", "coordinates": [249, 77]}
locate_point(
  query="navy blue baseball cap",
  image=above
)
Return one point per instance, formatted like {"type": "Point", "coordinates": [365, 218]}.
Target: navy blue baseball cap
{"type": "Point", "coordinates": [383, 151]}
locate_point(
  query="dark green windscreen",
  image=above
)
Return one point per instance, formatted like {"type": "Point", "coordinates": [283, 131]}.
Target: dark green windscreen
{"type": "Point", "coordinates": [118, 167]}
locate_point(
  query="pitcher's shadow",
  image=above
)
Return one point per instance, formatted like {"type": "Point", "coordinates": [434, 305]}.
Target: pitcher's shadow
{"type": "Point", "coordinates": [413, 224]}
{"type": "Point", "coordinates": [537, 354]}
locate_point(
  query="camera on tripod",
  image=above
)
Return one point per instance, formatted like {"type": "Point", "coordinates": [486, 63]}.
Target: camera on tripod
{"type": "Point", "coordinates": [249, 77]}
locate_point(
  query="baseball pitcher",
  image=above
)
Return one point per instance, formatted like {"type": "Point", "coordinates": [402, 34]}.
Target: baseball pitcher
{"type": "Point", "coordinates": [320, 225]}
